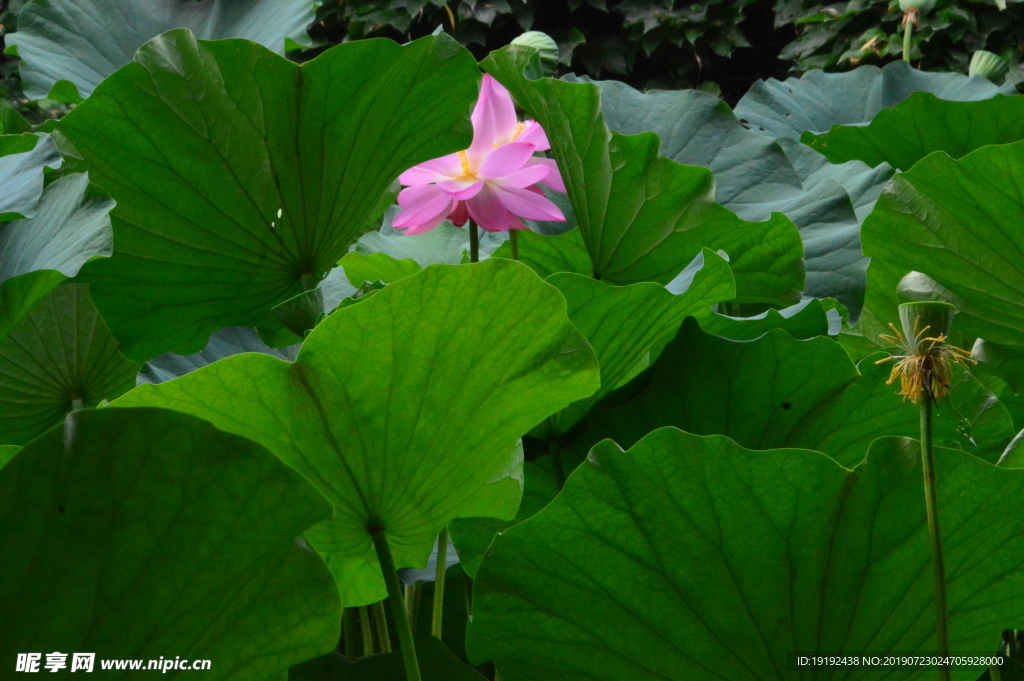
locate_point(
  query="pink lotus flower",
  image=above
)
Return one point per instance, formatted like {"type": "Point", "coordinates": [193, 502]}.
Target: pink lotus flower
{"type": "Point", "coordinates": [494, 182]}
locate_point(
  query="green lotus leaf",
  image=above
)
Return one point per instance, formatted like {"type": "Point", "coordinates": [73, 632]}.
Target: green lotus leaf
{"type": "Point", "coordinates": [22, 159]}
{"type": "Point", "coordinates": [224, 343]}
{"type": "Point", "coordinates": [804, 320]}
{"type": "Point", "coordinates": [818, 100]}
{"type": "Point", "coordinates": [70, 227]}
{"type": "Point", "coordinates": [68, 46]}
{"type": "Point", "coordinates": [923, 123]}
{"type": "Point", "coordinates": [7, 453]}
{"type": "Point", "coordinates": [778, 391]}
{"type": "Point", "coordinates": [404, 409]}
{"type": "Point", "coordinates": [756, 176]}
{"type": "Point", "coordinates": [547, 254]}
{"type": "Point", "coordinates": [956, 221]}
{"type": "Point", "coordinates": [437, 663]}
{"type": "Point", "coordinates": [473, 536]}
{"type": "Point", "coordinates": [60, 356]}
{"type": "Point", "coordinates": [241, 178]}
{"type": "Point", "coordinates": [642, 216]}
{"type": "Point", "coordinates": [625, 324]}
{"type": "Point", "coordinates": [143, 533]}
{"type": "Point", "coordinates": [361, 268]}
{"type": "Point", "coordinates": [691, 557]}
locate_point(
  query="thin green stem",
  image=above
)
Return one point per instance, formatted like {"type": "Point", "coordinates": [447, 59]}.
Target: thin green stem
{"type": "Point", "coordinates": [469, 596]}
{"type": "Point", "coordinates": [555, 450]}
{"type": "Point", "coordinates": [348, 623]}
{"type": "Point", "coordinates": [77, 404]}
{"type": "Point", "coordinates": [442, 566]}
{"type": "Point", "coordinates": [364, 628]}
{"type": "Point", "coordinates": [405, 638]}
{"type": "Point", "coordinates": [513, 239]}
{"type": "Point", "coordinates": [474, 242]}
{"type": "Point", "coordinates": [412, 602]}
{"type": "Point", "coordinates": [908, 32]}
{"type": "Point", "coordinates": [380, 616]}
{"type": "Point", "coordinates": [932, 505]}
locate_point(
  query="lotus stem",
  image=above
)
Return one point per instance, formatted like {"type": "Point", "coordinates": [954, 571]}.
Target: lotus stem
{"type": "Point", "coordinates": [513, 236]}
{"type": "Point", "coordinates": [468, 581]}
{"type": "Point", "coordinates": [77, 404]}
{"type": "Point", "coordinates": [412, 603]}
{"type": "Point", "coordinates": [555, 450]}
{"type": "Point", "coordinates": [364, 628]}
{"type": "Point", "coordinates": [909, 19]}
{"type": "Point", "coordinates": [442, 566]}
{"type": "Point", "coordinates": [380, 616]}
{"type": "Point", "coordinates": [474, 242]}
{"type": "Point", "coordinates": [405, 638]}
{"type": "Point", "coordinates": [932, 507]}
{"type": "Point", "coordinates": [348, 622]}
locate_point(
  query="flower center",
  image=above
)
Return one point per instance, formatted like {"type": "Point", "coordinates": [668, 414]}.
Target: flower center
{"type": "Point", "coordinates": [520, 127]}
{"type": "Point", "coordinates": [466, 169]}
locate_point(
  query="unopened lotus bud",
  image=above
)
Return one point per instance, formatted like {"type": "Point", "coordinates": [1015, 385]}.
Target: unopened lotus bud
{"type": "Point", "coordinates": [989, 65]}
{"type": "Point", "coordinates": [547, 49]}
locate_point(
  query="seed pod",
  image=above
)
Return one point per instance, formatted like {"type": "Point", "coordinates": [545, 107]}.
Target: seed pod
{"type": "Point", "coordinates": [547, 49]}
{"type": "Point", "coordinates": [925, 321]}
{"type": "Point", "coordinates": [922, 6]}
{"type": "Point", "coordinates": [989, 65]}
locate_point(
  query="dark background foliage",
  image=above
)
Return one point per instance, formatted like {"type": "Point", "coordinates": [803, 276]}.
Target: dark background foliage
{"type": "Point", "coordinates": [720, 46]}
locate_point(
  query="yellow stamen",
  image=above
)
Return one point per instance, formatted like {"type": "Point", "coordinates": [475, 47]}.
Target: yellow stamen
{"type": "Point", "coordinates": [466, 170]}
{"type": "Point", "coordinates": [927, 366]}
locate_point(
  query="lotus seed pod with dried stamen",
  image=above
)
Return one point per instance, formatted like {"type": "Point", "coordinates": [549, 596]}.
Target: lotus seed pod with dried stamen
{"type": "Point", "coordinates": [927, 361]}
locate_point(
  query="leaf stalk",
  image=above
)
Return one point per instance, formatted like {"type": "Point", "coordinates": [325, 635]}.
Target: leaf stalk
{"type": "Point", "coordinates": [397, 600]}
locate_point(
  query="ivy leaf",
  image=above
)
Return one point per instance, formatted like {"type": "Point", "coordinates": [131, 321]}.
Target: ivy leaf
{"type": "Point", "coordinates": [152, 533]}
{"type": "Point", "coordinates": [404, 409]}
{"type": "Point", "coordinates": [67, 47]}
{"type": "Point", "coordinates": [241, 178]}
{"type": "Point", "coordinates": [643, 217]}
{"type": "Point", "coordinates": [691, 557]}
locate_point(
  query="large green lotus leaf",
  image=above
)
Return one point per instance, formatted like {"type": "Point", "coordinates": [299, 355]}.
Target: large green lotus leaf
{"type": "Point", "coordinates": [60, 353]}
{"type": "Point", "coordinates": [7, 453]}
{"type": "Point", "coordinates": [818, 100]}
{"type": "Point", "coordinates": [756, 176]}
{"type": "Point", "coordinates": [547, 254]}
{"type": "Point", "coordinates": [404, 409]}
{"type": "Point", "coordinates": [778, 391]}
{"type": "Point", "coordinates": [691, 557]}
{"type": "Point", "coordinates": [624, 324]}
{"type": "Point", "coordinates": [472, 536]}
{"type": "Point", "coordinates": [239, 174]}
{"type": "Point", "coordinates": [804, 320]}
{"type": "Point", "coordinates": [84, 41]}
{"type": "Point", "coordinates": [437, 663]}
{"type": "Point", "coordinates": [906, 133]}
{"type": "Point", "coordinates": [22, 159]}
{"type": "Point", "coordinates": [141, 533]}
{"type": "Point", "coordinates": [642, 216]}
{"type": "Point", "coordinates": [70, 227]}
{"type": "Point", "coordinates": [958, 221]}
{"type": "Point", "coordinates": [224, 343]}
